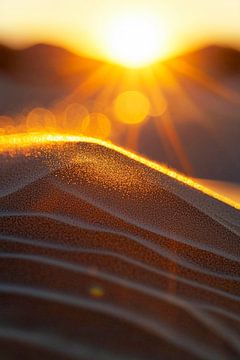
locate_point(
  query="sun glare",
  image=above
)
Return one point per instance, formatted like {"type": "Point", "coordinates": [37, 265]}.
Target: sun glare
{"type": "Point", "coordinates": [135, 39]}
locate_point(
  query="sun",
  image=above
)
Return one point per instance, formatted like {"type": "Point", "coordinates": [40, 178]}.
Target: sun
{"type": "Point", "coordinates": [135, 39]}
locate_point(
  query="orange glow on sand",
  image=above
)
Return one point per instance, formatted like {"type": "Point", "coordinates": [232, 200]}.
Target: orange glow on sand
{"type": "Point", "coordinates": [16, 142]}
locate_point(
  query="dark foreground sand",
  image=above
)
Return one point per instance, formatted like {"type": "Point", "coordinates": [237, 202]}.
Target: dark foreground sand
{"type": "Point", "coordinates": [105, 257]}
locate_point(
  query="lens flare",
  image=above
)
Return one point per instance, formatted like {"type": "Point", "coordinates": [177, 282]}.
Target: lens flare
{"type": "Point", "coordinates": [75, 119]}
{"type": "Point", "coordinates": [131, 107]}
{"type": "Point", "coordinates": [40, 119]}
{"type": "Point", "coordinates": [6, 125]}
{"type": "Point", "coordinates": [96, 292]}
{"type": "Point", "coordinates": [99, 126]}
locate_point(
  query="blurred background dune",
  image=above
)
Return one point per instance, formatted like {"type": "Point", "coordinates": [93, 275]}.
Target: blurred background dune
{"type": "Point", "coordinates": [181, 110]}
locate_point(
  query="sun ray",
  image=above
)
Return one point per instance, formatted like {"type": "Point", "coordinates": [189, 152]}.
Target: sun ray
{"type": "Point", "coordinates": [132, 138]}
{"type": "Point", "coordinates": [166, 124]}
{"type": "Point", "coordinates": [207, 81]}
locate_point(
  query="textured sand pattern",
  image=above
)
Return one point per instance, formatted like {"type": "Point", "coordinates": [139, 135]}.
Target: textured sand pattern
{"type": "Point", "coordinates": [105, 257]}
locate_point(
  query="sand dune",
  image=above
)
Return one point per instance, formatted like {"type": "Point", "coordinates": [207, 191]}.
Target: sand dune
{"type": "Point", "coordinates": [231, 190]}
{"type": "Point", "coordinates": [105, 255]}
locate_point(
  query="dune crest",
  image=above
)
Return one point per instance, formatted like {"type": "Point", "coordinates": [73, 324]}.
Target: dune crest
{"type": "Point", "coordinates": [107, 255]}
{"type": "Point", "coordinates": [18, 142]}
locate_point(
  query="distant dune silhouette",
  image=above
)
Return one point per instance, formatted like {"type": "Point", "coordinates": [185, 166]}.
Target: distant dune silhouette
{"type": "Point", "coordinates": [42, 58]}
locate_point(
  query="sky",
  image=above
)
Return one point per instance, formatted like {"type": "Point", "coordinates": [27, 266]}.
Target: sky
{"type": "Point", "coordinates": [84, 25]}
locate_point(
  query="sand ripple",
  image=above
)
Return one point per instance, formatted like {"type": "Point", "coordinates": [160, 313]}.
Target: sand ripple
{"type": "Point", "coordinates": [104, 257]}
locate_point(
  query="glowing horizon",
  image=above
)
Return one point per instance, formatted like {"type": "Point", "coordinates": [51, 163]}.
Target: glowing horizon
{"type": "Point", "coordinates": [87, 27]}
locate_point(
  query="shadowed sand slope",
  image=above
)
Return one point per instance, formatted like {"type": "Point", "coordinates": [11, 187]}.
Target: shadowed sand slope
{"type": "Point", "coordinates": [106, 256]}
